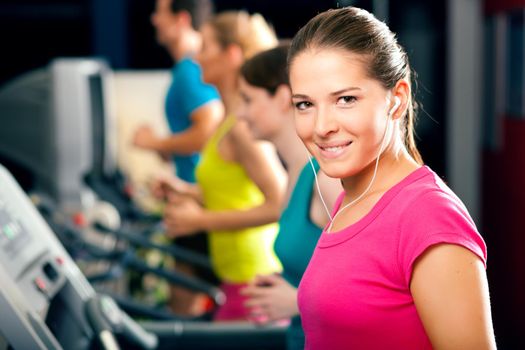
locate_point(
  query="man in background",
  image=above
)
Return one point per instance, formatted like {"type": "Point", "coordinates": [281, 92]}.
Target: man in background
{"type": "Point", "coordinates": [193, 111]}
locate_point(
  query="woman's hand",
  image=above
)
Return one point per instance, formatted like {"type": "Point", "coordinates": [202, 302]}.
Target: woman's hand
{"type": "Point", "coordinates": [183, 216]}
{"type": "Point", "coordinates": [144, 137]}
{"type": "Point", "coordinates": [270, 298]}
{"type": "Point", "coordinates": [164, 185]}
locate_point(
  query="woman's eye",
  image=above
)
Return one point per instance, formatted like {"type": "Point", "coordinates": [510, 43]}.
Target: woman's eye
{"type": "Point", "coordinates": [245, 98]}
{"type": "Point", "coordinates": [346, 100]}
{"type": "Point", "coordinates": [303, 105]}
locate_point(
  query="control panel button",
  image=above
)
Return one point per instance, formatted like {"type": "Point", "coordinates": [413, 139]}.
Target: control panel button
{"type": "Point", "coordinates": [59, 260]}
{"type": "Point", "coordinates": [40, 284]}
{"type": "Point", "coordinates": [50, 271]}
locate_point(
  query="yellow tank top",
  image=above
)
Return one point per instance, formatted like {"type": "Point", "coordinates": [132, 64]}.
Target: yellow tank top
{"type": "Point", "coordinates": [236, 255]}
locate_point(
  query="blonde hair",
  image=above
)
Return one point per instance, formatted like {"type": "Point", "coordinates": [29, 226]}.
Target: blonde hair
{"type": "Point", "coordinates": [250, 32]}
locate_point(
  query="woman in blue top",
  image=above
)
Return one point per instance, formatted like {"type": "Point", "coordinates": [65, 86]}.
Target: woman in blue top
{"type": "Point", "coordinates": [268, 110]}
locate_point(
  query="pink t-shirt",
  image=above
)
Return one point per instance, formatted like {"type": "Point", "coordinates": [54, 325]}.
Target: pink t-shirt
{"type": "Point", "coordinates": [355, 292]}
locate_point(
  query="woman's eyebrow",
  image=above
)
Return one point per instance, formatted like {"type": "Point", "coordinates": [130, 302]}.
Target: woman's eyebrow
{"type": "Point", "coordinates": [338, 92]}
{"type": "Point", "coordinates": [300, 96]}
{"type": "Point", "coordinates": [335, 93]}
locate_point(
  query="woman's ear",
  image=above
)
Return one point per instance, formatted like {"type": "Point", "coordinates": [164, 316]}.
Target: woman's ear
{"type": "Point", "coordinates": [401, 97]}
{"type": "Point", "coordinates": [235, 55]}
{"type": "Point", "coordinates": [283, 96]}
{"type": "Point", "coordinates": [184, 18]}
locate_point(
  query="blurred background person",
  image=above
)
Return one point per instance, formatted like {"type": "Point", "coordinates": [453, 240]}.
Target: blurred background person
{"type": "Point", "coordinates": [268, 110]}
{"type": "Point", "coordinates": [240, 181]}
{"type": "Point", "coordinates": [193, 112]}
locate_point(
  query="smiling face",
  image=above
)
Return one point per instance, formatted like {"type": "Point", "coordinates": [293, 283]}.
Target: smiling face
{"type": "Point", "coordinates": [261, 110]}
{"type": "Point", "coordinates": [340, 112]}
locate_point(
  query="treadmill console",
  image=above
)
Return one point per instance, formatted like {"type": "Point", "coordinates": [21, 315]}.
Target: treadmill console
{"type": "Point", "coordinates": [42, 294]}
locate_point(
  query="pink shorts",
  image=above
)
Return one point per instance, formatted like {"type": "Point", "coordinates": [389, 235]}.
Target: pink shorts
{"type": "Point", "coordinates": [233, 309]}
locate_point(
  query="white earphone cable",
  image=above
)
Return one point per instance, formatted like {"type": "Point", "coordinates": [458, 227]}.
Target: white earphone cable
{"type": "Point", "coordinates": [369, 185]}
{"type": "Point", "coordinates": [331, 219]}
{"type": "Point", "coordinates": [318, 188]}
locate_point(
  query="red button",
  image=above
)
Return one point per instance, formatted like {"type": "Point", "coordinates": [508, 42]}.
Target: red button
{"type": "Point", "coordinates": [79, 219]}
{"type": "Point", "coordinates": [59, 260]}
{"type": "Point", "coordinates": [41, 285]}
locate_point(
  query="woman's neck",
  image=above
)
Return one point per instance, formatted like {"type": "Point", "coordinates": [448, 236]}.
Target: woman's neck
{"type": "Point", "coordinates": [291, 151]}
{"type": "Point", "coordinates": [394, 164]}
{"type": "Point", "coordinates": [187, 46]}
{"type": "Point", "coordinates": [229, 92]}
{"type": "Point", "coordinates": [289, 145]}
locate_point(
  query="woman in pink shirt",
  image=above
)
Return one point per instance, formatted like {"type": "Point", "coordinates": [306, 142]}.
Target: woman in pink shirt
{"type": "Point", "coordinates": [401, 264]}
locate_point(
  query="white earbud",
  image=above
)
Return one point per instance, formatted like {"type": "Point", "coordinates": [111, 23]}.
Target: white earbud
{"type": "Point", "coordinates": [397, 103]}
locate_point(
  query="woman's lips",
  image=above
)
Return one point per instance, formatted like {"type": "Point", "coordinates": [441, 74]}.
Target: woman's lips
{"type": "Point", "coordinates": [333, 150]}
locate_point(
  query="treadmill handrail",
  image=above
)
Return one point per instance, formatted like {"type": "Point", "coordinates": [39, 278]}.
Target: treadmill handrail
{"type": "Point", "coordinates": [176, 252]}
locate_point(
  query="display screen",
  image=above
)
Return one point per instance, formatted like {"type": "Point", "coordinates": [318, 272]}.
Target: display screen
{"type": "Point", "coordinates": [13, 235]}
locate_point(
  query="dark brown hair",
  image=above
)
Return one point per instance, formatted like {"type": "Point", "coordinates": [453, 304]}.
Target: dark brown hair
{"type": "Point", "coordinates": [200, 10]}
{"type": "Point", "coordinates": [358, 31]}
{"type": "Point", "coordinates": [268, 69]}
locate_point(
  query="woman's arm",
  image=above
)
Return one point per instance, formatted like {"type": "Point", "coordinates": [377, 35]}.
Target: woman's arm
{"type": "Point", "coordinates": [166, 186]}
{"type": "Point", "coordinates": [450, 290]}
{"type": "Point", "coordinates": [270, 298]}
{"type": "Point", "coordinates": [262, 165]}
{"type": "Point", "coordinates": [204, 121]}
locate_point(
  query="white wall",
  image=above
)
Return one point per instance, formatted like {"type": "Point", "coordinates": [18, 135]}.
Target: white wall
{"type": "Point", "coordinates": [139, 99]}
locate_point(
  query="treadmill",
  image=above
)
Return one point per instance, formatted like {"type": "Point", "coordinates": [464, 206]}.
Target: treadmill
{"type": "Point", "coordinates": [47, 303]}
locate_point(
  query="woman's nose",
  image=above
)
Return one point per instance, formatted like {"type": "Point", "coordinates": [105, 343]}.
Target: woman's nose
{"type": "Point", "coordinates": [325, 122]}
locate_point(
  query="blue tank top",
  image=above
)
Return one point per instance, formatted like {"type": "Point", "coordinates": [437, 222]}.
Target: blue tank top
{"type": "Point", "coordinates": [296, 242]}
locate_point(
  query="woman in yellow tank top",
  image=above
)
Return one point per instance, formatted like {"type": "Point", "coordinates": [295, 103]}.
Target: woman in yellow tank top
{"type": "Point", "coordinates": [240, 181]}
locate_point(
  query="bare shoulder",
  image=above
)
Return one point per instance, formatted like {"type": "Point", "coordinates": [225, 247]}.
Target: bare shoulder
{"type": "Point", "coordinates": [212, 111]}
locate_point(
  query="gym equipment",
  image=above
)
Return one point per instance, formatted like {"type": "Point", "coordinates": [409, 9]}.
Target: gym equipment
{"type": "Point", "coordinates": [56, 124]}
{"type": "Point", "coordinates": [46, 302]}
{"type": "Point", "coordinates": [58, 128]}
{"type": "Point", "coordinates": [122, 257]}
